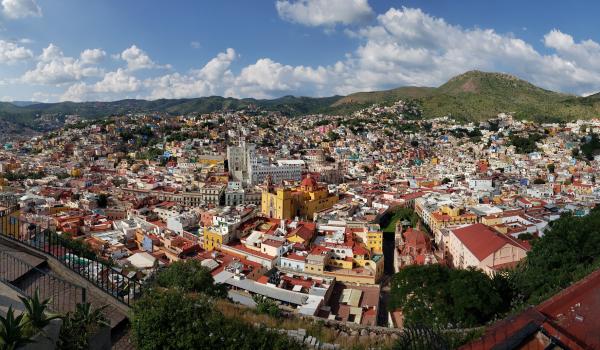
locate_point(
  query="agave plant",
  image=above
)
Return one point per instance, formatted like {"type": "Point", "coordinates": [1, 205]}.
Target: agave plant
{"type": "Point", "coordinates": [80, 324]}
{"type": "Point", "coordinates": [36, 311]}
{"type": "Point", "coordinates": [12, 334]}
{"type": "Point", "coordinates": [91, 317]}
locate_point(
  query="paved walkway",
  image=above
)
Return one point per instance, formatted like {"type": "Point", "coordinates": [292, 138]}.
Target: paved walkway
{"type": "Point", "coordinates": [9, 297]}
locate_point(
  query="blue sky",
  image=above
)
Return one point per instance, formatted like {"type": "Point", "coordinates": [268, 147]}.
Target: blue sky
{"type": "Point", "coordinates": [54, 50]}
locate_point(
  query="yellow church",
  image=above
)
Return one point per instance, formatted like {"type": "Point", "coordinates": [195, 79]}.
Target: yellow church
{"type": "Point", "coordinates": [302, 201]}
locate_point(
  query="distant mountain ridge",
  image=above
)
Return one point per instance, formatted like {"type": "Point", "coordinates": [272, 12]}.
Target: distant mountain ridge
{"type": "Point", "coordinates": [474, 95]}
{"type": "Point", "coordinates": [23, 103]}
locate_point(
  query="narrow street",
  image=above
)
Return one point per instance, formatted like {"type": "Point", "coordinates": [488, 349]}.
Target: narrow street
{"type": "Point", "coordinates": [388, 252]}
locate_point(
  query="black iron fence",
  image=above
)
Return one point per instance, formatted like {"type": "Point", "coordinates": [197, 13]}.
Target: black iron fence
{"type": "Point", "coordinates": [26, 278]}
{"type": "Point", "coordinates": [97, 271]}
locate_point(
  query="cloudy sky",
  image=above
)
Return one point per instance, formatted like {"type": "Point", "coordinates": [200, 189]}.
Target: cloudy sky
{"type": "Point", "coordinates": [75, 50]}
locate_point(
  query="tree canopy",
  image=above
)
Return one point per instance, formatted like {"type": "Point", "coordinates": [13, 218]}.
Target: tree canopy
{"type": "Point", "coordinates": [567, 252]}
{"type": "Point", "coordinates": [190, 276]}
{"type": "Point", "coordinates": [177, 312]}
{"type": "Point", "coordinates": [438, 296]}
{"type": "Point", "coordinates": [172, 319]}
{"type": "Point", "coordinates": [526, 144]}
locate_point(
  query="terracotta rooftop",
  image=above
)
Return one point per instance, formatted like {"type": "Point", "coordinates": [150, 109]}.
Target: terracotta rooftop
{"type": "Point", "coordinates": [571, 319]}
{"type": "Point", "coordinates": [481, 240]}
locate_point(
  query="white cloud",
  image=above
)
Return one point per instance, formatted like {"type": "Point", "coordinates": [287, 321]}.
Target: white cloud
{"type": "Point", "coordinates": [558, 40]}
{"type": "Point", "coordinates": [92, 56]}
{"type": "Point", "coordinates": [209, 80]}
{"type": "Point", "coordinates": [115, 85]}
{"type": "Point", "coordinates": [11, 52]}
{"type": "Point", "coordinates": [55, 68]}
{"type": "Point", "coordinates": [21, 8]}
{"type": "Point", "coordinates": [583, 54]}
{"type": "Point", "coordinates": [137, 59]}
{"type": "Point", "coordinates": [402, 47]}
{"type": "Point", "coordinates": [117, 82]}
{"type": "Point", "coordinates": [324, 12]}
{"type": "Point", "coordinates": [263, 79]}
{"type": "Point", "coordinates": [267, 78]}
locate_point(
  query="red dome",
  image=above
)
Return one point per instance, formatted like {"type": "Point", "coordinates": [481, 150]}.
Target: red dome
{"type": "Point", "coordinates": [309, 182]}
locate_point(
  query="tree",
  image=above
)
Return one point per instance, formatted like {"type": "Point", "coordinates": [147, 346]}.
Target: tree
{"type": "Point", "coordinates": [590, 146]}
{"type": "Point", "coordinates": [566, 253]}
{"type": "Point", "coordinates": [329, 159]}
{"type": "Point", "coordinates": [172, 319]}
{"type": "Point", "coordinates": [525, 236]}
{"type": "Point", "coordinates": [438, 296]}
{"type": "Point", "coordinates": [539, 181]}
{"type": "Point", "coordinates": [388, 222]}
{"type": "Point", "coordinates": [190, 276]}
{"type": "Point", "coordinates": [266, 305]}
{"type": "Point", "coordinates": [333, 136]}
{"type": "Point", "coordinates": [526, 144]}
{"type": "Point", "coordinates": [102, 200]}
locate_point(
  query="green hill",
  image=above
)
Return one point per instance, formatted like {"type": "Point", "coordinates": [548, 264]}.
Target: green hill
{"type": "Point", "coordinates": [473, 95]}
{"type": "Point", "coordinates": [479, 95]}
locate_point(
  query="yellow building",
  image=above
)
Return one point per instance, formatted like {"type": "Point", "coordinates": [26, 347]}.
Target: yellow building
{"type": "Point", "coordinates": [302, 201]}
{"type": "Point", "coordinates": [372, 237]}
{"type": "Point", "coordinates": [212, 240]}
{"type": "Point", "coordinates": [209, 159]}
{"type": "Point", "coordinates": [374, 242]}
{"type": "Point", "coordinates": [449, 215]}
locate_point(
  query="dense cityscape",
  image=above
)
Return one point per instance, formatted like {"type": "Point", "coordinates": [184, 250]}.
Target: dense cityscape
{"type": "Point", "coordinates": [314, 217]}
{"type": "Point", "coordinates": [299, 174]}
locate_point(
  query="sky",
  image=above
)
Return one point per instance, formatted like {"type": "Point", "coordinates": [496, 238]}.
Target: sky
{"type": "Point", "coordinates": [102, 50]}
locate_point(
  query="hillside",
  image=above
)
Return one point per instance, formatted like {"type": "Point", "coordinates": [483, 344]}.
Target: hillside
{"type": "Point", "coordinates": [479, 95]}
{"type": "Point", "coordinates": [473, 95]}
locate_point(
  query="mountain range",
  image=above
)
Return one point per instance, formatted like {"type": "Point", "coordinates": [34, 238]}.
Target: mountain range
{"type": "Point", "coordinates": [471, 96]}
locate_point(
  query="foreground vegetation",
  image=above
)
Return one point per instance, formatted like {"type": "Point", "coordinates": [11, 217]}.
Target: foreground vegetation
{"type": "Point", "coordinates": [437, 296]}
{"type": "Point", "coordinates": [179, 312]}
{"type": "Point", "coordinates": [77, 327]}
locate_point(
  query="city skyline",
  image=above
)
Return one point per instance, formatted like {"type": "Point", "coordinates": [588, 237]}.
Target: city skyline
{"type": "Point", "coordinates": [65, 50]}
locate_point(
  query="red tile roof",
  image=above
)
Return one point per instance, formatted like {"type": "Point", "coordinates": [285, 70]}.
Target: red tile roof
{"type": "Point", "coordinates": [482, 241]}
{"type": "Point", "coordinates": [570, 316]}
